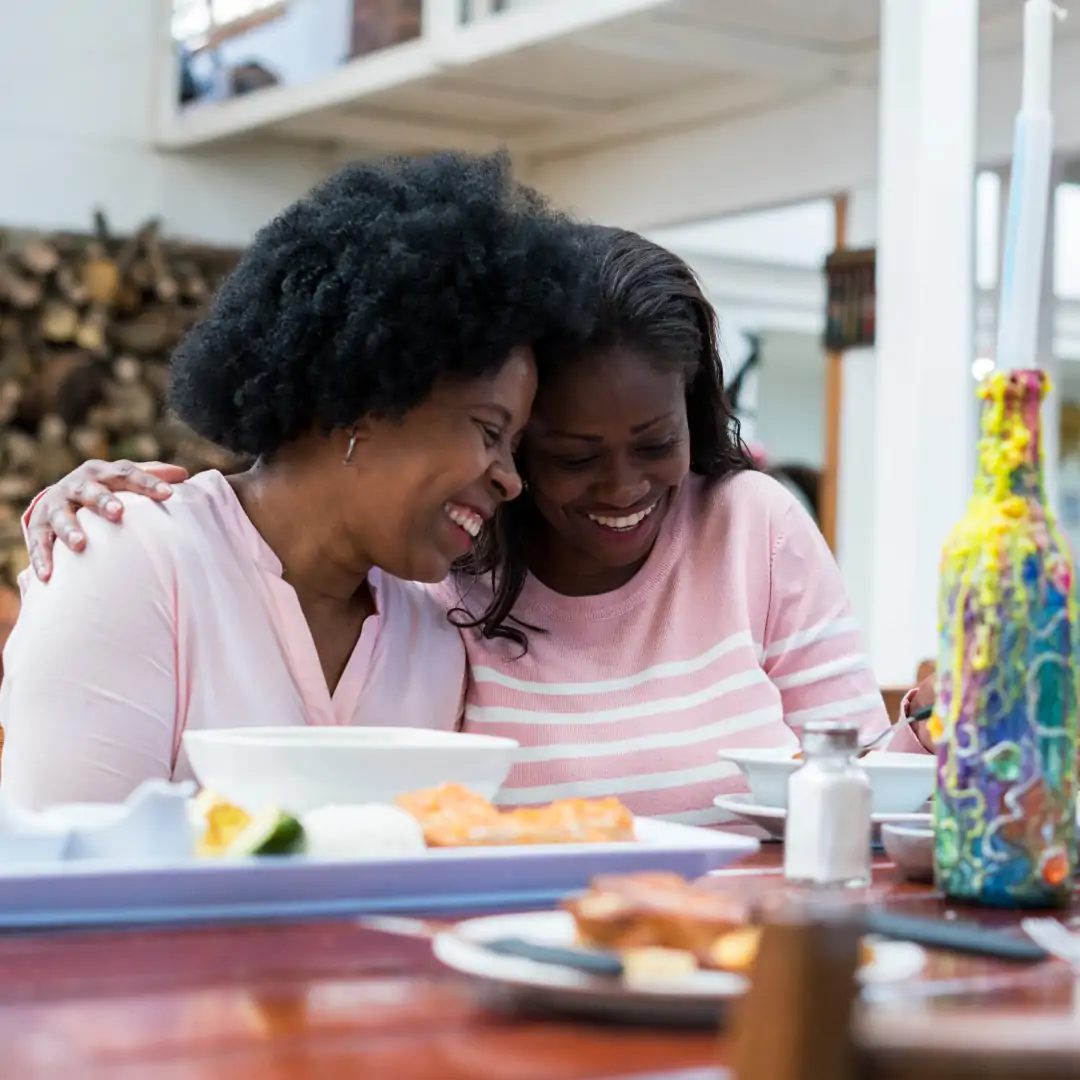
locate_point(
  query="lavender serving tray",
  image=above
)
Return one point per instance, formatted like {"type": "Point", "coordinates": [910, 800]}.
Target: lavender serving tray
{"type": "Point", "coordinates": [296, 887]}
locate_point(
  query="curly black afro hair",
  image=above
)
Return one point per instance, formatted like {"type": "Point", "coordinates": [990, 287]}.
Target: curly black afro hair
{"type": "Point", "coordinates": [386, 278]}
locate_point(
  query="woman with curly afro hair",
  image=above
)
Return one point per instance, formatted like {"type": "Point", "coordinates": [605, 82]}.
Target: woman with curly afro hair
{"type": "Point", "coordinates": [651, 602]}
{"type": "Point", "coordinates": [372, 353]}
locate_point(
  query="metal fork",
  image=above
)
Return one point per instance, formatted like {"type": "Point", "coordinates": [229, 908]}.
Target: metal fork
{"type": "Point", "coordinates": [1056, 939]}
{"type": "Point", "coordinates": [886, 736]}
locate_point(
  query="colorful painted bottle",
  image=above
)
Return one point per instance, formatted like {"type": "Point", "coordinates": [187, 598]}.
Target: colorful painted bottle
{"type": "Point", "coordinates": [1006, 714]}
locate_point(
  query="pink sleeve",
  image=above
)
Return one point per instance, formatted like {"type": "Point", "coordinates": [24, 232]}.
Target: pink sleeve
{"type": "Point", "coordinates": [813, 651]}
{"type": "Point", "coordinates": [89, 697]}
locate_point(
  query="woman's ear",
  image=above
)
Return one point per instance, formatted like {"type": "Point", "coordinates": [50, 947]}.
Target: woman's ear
{"type": "Point", "coordinates": [361, 430]}
{"type": "Point", "coordinates": [353, 437]}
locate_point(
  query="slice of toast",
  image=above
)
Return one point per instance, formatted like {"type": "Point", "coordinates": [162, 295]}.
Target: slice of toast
{"type": "Point", "coordinates": [655, 910]}
{"type": "Point", "coordinates": [453, 816]}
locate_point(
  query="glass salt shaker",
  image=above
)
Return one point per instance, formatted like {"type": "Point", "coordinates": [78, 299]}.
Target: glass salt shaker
{"type": "Point", "coordinates": [828, 828]}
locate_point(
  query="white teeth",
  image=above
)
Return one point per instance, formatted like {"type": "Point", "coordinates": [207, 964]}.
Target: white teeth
{"type": "Point", "coordinates": [468, 519]}
{"type": "Point", "coordinates": [623, 523]}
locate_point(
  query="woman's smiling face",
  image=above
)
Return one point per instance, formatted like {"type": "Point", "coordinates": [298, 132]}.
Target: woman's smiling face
{"type": "Point", "coordinates": [605, 452]}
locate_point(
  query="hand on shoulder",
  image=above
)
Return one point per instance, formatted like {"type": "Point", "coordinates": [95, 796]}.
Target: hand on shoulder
{"type": "Point", "coordinates": [92, 486]}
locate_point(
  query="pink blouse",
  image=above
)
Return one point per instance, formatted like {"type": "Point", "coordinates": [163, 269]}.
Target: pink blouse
{"type": "Point", "coordinates": [180, 619]}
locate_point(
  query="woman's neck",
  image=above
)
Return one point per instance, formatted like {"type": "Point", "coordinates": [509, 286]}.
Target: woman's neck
{"type": "Point", "coordinates": [317, 559]}
{"type": "Point", "coordinates": [569, 572]}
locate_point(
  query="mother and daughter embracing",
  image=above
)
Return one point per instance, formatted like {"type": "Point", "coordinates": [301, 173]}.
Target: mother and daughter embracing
{"type": "Point", "coordinates": [494, 485]}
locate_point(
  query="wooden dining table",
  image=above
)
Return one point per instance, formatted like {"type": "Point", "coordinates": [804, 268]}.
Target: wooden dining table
{"type": "Point", "coordinates": [324, 1000]}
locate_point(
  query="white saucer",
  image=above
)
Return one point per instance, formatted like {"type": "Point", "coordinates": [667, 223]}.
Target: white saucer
{"type": "Point", "coordinates": [697, 999]}
{"type": "Point", "coordinates": [772, 818]}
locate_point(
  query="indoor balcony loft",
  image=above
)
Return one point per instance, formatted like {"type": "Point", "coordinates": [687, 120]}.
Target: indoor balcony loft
{"type": "Point", "coordinates": [546, 77]}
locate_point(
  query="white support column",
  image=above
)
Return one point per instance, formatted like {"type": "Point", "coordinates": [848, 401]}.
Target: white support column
{"type": "Point", "coordinates": [925, 282]}
{"type": "Point", "coordinates": [855, 482]}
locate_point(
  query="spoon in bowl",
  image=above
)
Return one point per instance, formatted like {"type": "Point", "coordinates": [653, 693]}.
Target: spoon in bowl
{"type": "Point", "coordinates": [912, 718]}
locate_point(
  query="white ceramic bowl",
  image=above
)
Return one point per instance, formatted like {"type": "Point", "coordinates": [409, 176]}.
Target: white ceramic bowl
{"type": "Point", "coordinates": [911, 847]}
{"type": "Point", "coordinates": [304, 768]}
{"type": "Point", "coordinates": [901, 783]}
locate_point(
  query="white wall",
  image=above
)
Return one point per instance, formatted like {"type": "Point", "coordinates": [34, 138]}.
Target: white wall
{"type": "Point", "coordinates": [790, 421]}
{"type": "Point", "coordinates": [79, 85]}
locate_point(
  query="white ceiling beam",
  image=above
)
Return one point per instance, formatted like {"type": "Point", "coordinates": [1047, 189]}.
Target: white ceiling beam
{"type": "Point", "coordinates": [822, 143]}
{"type": "Point", "coordinates": [811, 145]}
{"type": "Point", "coordinates": [701, 105]}
{"type": "Point", "coordinates": [211, 121]}
{"type": "Point", "coordinates": [711, 51]}
{"type": "Point", "coordinates": [391, 135]}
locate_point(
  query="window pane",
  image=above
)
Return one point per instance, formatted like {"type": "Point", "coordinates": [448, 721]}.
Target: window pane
{"type": "Point", "coordinates": [226, 11]}
{"type": "Point", "coordinates": [1067, 241]}
{"type": "Point", "coordinates": [191, 19]}
{"type": "Point", "coordinates": [194, 19]}
{"type": "Point", "coordinates": [987, 229]}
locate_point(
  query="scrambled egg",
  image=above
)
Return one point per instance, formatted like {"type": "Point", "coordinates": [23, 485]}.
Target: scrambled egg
{"type": "Point", "coordinates": [224, 822]}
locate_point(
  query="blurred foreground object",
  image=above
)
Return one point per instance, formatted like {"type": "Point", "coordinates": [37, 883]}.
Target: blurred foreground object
{"type": "Point", "coordinates": [802, 1018]}
{"type": "Point", "coordinates": [795, 1021]}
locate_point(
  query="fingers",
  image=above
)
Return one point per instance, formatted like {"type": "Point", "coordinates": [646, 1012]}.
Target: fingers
{"type": "Point", "coordinates": [127, 476]}
{"type": "Point", "coordinates": [924, 695]}
{"type": "Point", "coordinates": [97, 476]}
{"type": "Point", "coordinates": [921, 701]}
{"type": "Point", "coordinates": [171, 474]}
{"type": "Point", "coordinates": [95, 496]}
{"type": "Point", "coordinates": [40, 540]}
{"type": "Point", "coordinates": [92, 485]}
{"type": "Point", "coordinates": [64, 525]}
{"type": "Point", "coordinates": [42, 533]}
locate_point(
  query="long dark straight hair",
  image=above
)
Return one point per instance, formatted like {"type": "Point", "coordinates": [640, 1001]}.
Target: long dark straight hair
{"type": "Point", "coordinates": [641, 297]}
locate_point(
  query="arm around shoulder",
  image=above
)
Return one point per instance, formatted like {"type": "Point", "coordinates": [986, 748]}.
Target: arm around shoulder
{"type": "Point", "coordinates": [90, 698]}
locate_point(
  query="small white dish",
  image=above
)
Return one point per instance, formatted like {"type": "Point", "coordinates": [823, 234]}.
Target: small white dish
{"type": "Point", "coordinates": [772, 818]}
{"type": "Point", "coordinates": [900, 783]}
{"type": "Point", "coordinates": [911, 847]}
{"type": "Point", "coordinates": [695, 1000]}
{"type": "Point", "coordinates": [26, 840]}
{"type": "Point", "coordinates": [305, 768]}
{"type": "Point", "coordinates": [153, 826]}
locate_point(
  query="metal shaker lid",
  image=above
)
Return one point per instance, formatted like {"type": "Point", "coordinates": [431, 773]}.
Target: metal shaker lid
{"type": "Point", "coordinates": [830, 737]}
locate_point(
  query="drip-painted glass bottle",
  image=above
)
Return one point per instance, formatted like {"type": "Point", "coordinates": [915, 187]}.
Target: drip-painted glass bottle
{"type": "Point", "coordinates": [1006, 712]}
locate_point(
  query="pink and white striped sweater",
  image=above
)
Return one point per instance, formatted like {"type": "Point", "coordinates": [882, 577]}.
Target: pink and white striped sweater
{"type": "Point", "coordinates": [735, 632]}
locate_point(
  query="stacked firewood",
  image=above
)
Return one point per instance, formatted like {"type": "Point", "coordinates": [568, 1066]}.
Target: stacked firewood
{"type": "Point", "coordinates": [87, 323]}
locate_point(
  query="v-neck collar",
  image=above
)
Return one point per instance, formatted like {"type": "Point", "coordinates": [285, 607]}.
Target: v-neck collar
{"type": "Point", "coordinates": [298, 644]}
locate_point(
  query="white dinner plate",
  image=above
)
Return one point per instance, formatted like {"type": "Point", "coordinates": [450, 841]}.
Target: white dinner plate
{"type": "Point", "coordinates": [440, 880]}
{"type": "Point", "coordinates": [699, 999]}
{"type": "Point", "coordinates": [772, 818]}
